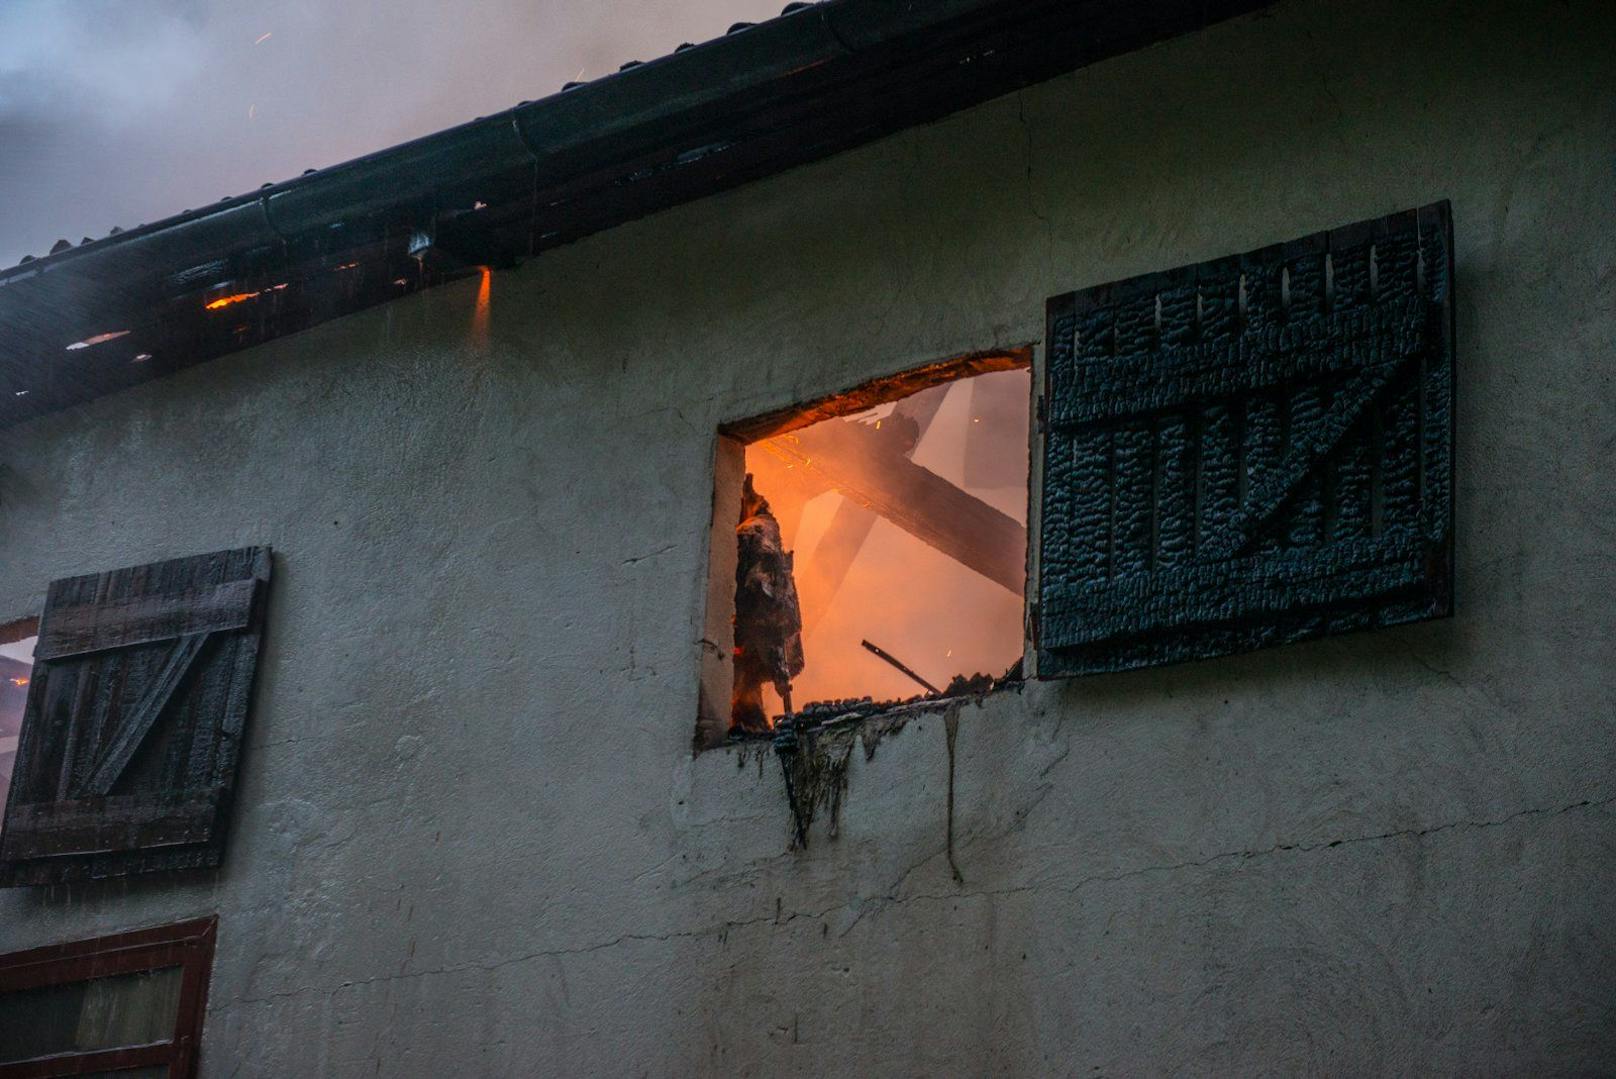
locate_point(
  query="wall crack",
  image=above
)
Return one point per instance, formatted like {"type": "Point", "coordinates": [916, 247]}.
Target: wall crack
{"type": "Point", "coordinates": [862, 906]}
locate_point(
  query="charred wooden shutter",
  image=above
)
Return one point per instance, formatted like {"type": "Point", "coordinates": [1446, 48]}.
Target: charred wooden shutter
{"type": "Point", "coordinates": [134, 719]}
{"type": "Point", "coordinates": [1250, 451]}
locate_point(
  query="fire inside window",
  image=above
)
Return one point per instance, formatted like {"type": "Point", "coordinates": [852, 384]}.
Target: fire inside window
{"type": "Point", "coordinates": [16, 665]}
{"type": "Point", "coordinates": [880, 548]}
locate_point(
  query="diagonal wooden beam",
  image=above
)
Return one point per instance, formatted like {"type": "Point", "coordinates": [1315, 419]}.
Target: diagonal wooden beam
{"type": "Point", "coordinates": [823, 572]}
{"type": "Point", "coordinates": [1309, 448]}
{"type": "Point", "coordinates": [145, 713]}
{"type": "Point", "coordinates": [851, 459]}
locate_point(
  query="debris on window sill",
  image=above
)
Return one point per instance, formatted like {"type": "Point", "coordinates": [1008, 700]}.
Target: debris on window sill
{"type": "Point", "coordinates": [817, 716]}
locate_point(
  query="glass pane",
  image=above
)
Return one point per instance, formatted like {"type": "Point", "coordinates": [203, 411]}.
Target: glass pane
{"type": "Point", "coordinates": [16, 664]}
{"type": "Point", "coordinates": [104, 1013]}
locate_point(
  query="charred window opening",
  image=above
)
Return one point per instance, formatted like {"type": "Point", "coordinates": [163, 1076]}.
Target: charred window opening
{"type": "Point", "coordinates": [870, 549]}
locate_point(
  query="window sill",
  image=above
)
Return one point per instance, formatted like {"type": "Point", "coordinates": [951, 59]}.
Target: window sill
{"type": "Point", "coordinates": [864, 715]}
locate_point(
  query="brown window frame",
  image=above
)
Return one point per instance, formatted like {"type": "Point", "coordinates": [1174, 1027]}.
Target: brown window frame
{"type": "Point", "coordinates": [187, 945]}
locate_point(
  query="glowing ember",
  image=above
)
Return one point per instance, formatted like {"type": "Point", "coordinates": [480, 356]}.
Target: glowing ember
{"type": "Point", "coordinates": [19, 681]}
{"type": "Point", "coordinates": [97, 339]}
{"type": "Point", "coordinates": [241, 297]}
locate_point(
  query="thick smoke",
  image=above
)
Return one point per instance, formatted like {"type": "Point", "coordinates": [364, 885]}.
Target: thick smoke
{"type": "Point", "coordinates": [114, 112]}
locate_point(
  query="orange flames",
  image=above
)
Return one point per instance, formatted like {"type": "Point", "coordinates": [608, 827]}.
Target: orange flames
{"type": "Point", "coordinates": [859, 578]}
{"type": "Point", "coordinates": [19, 681]}
{"type": "Point", "coordinates": [241, 297]}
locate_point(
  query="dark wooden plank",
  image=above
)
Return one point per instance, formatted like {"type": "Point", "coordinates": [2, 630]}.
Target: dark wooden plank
{"type": "Point", "coordinates": [138, 723]}
{"type": "Point", "coordinates": [1134, 497]}
{"type": "Point", "coordinates": [1177, 451]}
{"type": "Point", "coordinates": [1240, 589]}
{"type": "Point", "coordinates": [1219, 479]}
{"type": "Point", "coordinates": [99, 825]}
{"type": "Point", "coordinates": [142, 619]}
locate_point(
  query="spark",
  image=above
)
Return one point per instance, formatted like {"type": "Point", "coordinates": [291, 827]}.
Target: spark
{"type": "Point", "coordinates": [263, 38]}
{"type": "Point", "coordinates": [252, 110]}
{"type": "Point", "coordinates": [19, 681]}
{"type": "Point", "coordinates": [97, 339]}
{"type": "Point", "coordinates": [141, 357]}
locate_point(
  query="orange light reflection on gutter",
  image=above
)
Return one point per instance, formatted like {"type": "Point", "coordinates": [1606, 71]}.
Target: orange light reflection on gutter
{"type": "Point", "coordinates": [479, 314]}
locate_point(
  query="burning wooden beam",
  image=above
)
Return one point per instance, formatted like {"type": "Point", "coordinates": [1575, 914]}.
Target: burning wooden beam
{"type": "Point", "coordinates": [856, 460]}
{"type": "Point", "coordinates": [826, 568]}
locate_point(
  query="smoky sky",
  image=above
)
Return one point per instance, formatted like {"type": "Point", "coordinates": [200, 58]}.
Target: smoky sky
{"type": "Point", "coordinates": [119, 112]}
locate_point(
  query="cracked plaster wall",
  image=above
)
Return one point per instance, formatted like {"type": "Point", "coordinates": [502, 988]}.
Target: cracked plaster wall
{"type": "Point", "coordinates": [470, 836]}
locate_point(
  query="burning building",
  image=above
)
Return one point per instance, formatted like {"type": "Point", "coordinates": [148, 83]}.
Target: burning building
{"type": "Point", "coordinates": [1116, 490]}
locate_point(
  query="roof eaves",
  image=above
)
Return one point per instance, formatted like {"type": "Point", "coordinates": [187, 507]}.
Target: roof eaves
{"type": "Point", "coordinates": [820, 78]}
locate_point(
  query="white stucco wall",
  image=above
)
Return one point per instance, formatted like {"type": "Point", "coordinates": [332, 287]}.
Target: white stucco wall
{"type": "Point", "coordinates": [470, 836]}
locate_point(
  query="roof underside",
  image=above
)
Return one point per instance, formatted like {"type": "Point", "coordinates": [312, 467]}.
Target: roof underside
{"type": "Point", "coordinates": [824, 77]}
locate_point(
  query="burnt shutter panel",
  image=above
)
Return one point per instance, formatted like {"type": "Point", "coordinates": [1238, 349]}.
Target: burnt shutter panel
{"type": "Point", "coordinates": [134, 720]}
{"type": "Point", "coordinates": [1250, 451]}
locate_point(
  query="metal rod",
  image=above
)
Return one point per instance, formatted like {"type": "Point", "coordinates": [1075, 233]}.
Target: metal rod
{"type": "Point", "coordinates": [882, 653]}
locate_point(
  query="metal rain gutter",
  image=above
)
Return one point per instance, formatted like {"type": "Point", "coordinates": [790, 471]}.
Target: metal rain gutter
{"type": "Point", "coordinates": [115, 312]}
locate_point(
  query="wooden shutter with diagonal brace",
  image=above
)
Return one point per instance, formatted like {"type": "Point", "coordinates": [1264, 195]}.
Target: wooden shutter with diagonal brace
{"type": "Point", "coordinates": [1250, 451]}
{"type": "Point", "coordinates": [135, 713]}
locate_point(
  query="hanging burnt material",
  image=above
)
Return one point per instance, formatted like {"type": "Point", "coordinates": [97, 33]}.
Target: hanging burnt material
{"type": "Point", "coordinates": [768, 620]}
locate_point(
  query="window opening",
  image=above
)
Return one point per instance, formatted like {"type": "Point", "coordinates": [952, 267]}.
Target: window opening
{"type": "Point", "coordinates": [16, 667]}
{"type": "Point", "coordinates": [879, 548]}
